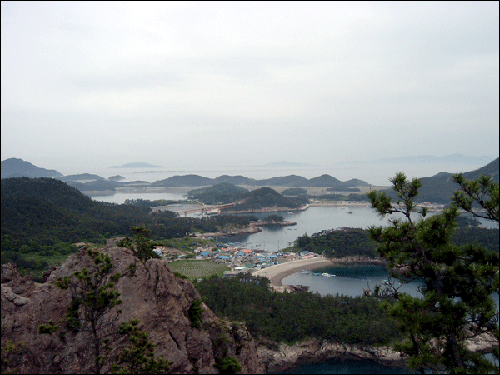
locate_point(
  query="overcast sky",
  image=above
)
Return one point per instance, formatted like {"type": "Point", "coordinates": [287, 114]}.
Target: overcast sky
{"type": "Point", "coordinates": [206, 85]}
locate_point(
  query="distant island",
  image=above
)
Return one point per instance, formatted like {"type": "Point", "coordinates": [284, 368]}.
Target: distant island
{"type": "Point", "coordinates": [136, 165]}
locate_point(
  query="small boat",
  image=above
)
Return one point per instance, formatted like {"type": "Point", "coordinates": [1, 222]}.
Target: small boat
{"type": "Point", "coordinates": [316, 274]}
{"type": "Point", "coordinates": [326, 274]}
{"type": "Point", "coordinates": [304, 271]}
{"type": "Point", "coordinates": [349, 212]}
{"type": "Point", "coordinates": [385, 282]}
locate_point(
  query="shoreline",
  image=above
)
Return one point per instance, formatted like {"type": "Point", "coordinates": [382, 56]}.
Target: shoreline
{"type": "Point", "coordinates": [278, 272]}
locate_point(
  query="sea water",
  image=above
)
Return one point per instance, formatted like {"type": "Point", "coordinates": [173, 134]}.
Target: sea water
{"type": "Point", "coordinates": [345, 367]}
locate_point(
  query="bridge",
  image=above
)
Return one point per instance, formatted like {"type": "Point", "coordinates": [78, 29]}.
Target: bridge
{"type": "Point", "coordinates": [207, 209]}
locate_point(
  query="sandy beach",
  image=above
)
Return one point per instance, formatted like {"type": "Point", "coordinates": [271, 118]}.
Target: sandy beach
{"type": "Point", "coordinates": [277, 273]}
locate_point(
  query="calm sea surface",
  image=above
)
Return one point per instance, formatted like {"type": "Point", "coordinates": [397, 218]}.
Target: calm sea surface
{"type": "Point", "coordinates": [314, 219]}
{"type": "Point", "coordinates": [346, 367]}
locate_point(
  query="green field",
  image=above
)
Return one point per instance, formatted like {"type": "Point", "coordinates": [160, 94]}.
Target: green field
{"type": "Point", "coordinates": [195, 269]}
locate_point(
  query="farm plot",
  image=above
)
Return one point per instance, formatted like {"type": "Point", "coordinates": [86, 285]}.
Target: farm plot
{"type": "Point", "coordinates": [194, 269]}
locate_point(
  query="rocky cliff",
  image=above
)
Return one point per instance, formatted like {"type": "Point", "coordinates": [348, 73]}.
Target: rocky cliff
{"type": "Point", "coordinates": [280, 357]}
{"type": "Point", "coordinates": [152, 294]}
{"type": "Point", "coordinates": [283, 357]}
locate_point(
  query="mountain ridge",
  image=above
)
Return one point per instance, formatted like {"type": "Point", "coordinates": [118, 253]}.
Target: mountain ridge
{"type": "Point", "coordinates": [15, 167]}
{"type": "Point", "coordinates": [440, 187]}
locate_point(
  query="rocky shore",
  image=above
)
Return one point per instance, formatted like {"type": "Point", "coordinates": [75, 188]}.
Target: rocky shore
{"type": "Point", "coordinates": [311, 351]}
{"type": "Point", "coordinates": [279, 358]}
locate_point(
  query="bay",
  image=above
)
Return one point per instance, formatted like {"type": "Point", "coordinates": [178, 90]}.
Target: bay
{"type": "Point", "coordinates": [349, 281]}
{"type": "Point", "coordinates": [312, 220]}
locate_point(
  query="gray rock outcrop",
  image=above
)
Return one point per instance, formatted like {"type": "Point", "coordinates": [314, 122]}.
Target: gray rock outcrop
{"type": "Point", "coordinates": [153, 295]}
{"type": "Point", "coordinates": [313, 351]}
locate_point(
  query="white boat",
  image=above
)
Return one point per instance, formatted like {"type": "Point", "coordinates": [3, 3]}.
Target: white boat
{"type": "Point", "coordinates": [305, 271]}
{"type": "Point", "coordinates": [326, 274]}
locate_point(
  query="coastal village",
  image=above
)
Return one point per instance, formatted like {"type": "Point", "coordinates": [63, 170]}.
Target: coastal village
{"type": "Point", "coordinates": [236, 258]}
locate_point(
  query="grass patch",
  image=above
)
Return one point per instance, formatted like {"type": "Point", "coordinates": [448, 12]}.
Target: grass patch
{"type": "Point", "coordinates": [195, 269]}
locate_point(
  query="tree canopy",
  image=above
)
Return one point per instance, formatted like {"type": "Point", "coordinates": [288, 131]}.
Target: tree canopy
{"type": "Point", "coordinates": [458, 281]}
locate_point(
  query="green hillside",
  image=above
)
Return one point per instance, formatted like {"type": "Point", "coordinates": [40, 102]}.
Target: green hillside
{"type": "Point", "coordinates": [267, 197]}
{"type": "Point", "coordinates": [41, 217]}
{"type": "Point", "coordinates": [218, 194]}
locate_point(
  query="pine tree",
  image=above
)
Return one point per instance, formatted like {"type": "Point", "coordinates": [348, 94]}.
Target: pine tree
{"type": "Point", "coordinates": [93, 297]}
{"type": "Point", "coordinates": [457, 281]}
{"type": "Point", "coordinates": [139, 358]}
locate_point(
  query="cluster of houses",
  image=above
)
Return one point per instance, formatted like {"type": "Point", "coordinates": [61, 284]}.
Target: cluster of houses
{"type": "Point", "coordinates": [239, 259]}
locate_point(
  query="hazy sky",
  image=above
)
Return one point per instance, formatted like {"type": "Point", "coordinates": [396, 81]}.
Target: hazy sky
{"type": "Point", "coordinates": [205, 85]}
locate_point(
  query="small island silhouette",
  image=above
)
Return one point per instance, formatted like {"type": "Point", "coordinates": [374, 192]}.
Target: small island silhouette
{"type": "Point", "coordinates": [136, 165]}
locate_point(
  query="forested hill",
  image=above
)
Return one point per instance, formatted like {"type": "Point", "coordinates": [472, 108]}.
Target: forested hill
{"type": "Point", "coordinates": [218, 194]}
{"type": "Point", "coordinates": [45, 211]}
{"type": "Point", "coordinates": [49, 189]}
{"type": "Point", "coordinates": [45, 215]}
{"type": "Point", "coordinates": [440, 188]}
{"type": "Point", "coordinates": [267, 197]}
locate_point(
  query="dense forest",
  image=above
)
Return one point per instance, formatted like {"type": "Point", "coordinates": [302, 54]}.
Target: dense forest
{"type": "Point", "coordinates": [292, 317]}
{"type": "Point", "coordinates": [267, 197]}
{"type": "Point", "coordinates": [294, 192]}
{"type": "Point", "coordinates": [338, 243]}
{"type": "Point", "coordinates": [44, 216]}
{"type": "Point", "coordinates": [218, 194]}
